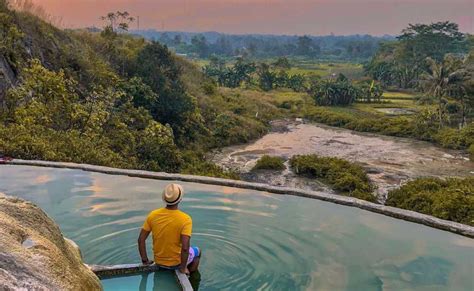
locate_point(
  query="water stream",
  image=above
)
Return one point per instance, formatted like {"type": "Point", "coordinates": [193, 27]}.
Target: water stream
{"type": "Point", "coordinates": [389, 161]}
{"type": "Point", "coordinates": [251, 240]}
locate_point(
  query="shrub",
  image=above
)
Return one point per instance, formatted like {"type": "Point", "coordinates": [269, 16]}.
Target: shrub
{"type": "Point", "coordinates": [195, 164]}
{"type": "Point", "coordinates": [348, 178]}
{"type": "Point", "coordinates": [269, 163]}
{"type": "Point", "coordinates": [451, 199]}
{"type": "Point", "coordinates": [471, 152]}
{"type": "Point", "coordinates": [423, 126]}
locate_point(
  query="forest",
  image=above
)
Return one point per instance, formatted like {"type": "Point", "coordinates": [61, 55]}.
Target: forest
{"type": "Point", "coordinates": [204, 45]}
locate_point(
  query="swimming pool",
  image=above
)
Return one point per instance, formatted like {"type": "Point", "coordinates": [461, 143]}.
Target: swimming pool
{"type": "Point", "coordinates": [250, 239]}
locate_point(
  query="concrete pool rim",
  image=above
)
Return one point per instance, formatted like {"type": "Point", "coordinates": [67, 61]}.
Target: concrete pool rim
{"type": "Point", "coordinates": [407, 215]}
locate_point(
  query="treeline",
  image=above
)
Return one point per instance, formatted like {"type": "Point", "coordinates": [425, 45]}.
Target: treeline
{"type": "Point", "coordinates": [111, 99]}
{"type": "Point", "coordinates": [204, 45]}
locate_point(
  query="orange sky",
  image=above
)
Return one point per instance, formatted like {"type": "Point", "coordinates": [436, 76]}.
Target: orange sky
{"type": "Point", "coordinates": [316, 17]}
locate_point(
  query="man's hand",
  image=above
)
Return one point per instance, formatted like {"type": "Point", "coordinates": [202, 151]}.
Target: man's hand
{"type": "Point", "coordinates": [147, 262]}
{"type": "Point", "coordinates": [184, 271]}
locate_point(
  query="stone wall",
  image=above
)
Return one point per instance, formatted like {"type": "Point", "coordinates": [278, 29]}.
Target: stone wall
{"type": "Point", "coordinates": [408, 215]}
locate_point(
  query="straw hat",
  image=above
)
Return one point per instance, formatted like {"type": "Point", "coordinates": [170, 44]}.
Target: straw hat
{"type": "Point", "coordinates": [172, 194]}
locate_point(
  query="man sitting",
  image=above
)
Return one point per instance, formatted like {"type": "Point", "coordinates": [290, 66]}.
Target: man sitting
{"type": "Point", "coordinates": [171, 231]}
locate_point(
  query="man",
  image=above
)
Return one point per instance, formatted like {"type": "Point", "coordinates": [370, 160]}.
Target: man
{"type": "Point", "coordinates": [171, 231]}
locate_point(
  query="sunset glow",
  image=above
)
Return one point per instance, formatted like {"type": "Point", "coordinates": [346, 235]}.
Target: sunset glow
{"type": "Point", "coordinates": [316, 17]}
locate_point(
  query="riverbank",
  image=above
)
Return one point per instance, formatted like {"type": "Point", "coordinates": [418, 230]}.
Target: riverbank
{"type": "Point", "coordinates": [389, 161]}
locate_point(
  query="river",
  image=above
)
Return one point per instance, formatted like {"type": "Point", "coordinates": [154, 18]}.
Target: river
{"type": "Point", "coordinates": [389, 161]}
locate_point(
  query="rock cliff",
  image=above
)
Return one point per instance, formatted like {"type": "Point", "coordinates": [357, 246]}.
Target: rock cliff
{"type": "Point", "coordinates": [34, 255]}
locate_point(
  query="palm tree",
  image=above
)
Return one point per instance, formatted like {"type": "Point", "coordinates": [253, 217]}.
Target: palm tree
{"type": "Point", "coordinates": [441, 79]}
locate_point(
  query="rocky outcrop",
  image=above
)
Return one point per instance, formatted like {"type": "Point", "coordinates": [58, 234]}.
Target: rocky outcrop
{"type": "Point", "coordinates": [34, 255]}
{"type": "Point", "coordinates": [7, 77]}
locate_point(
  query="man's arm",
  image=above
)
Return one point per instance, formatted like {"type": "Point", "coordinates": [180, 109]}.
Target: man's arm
{"type": "Point", "coordinates": [142, 246]}
{"type": "Point", "coordinates": [185, 243]}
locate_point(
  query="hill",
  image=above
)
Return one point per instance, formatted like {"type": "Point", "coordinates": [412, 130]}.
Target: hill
{"type": "Point", "coordinates": [113, 99]}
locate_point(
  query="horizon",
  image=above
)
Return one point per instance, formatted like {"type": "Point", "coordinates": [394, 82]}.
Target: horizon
{"type": "Point", "coordinates": [269, 17]}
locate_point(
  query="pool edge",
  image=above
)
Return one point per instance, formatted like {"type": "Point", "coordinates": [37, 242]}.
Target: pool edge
{"type": "Point", "coordinates": [108, 271]}
{"type": "Point", "coordinates": [407, 215]}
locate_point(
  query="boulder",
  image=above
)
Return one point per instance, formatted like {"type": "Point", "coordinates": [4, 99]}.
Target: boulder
{"type": "Point", "coordinates": [34, 255]}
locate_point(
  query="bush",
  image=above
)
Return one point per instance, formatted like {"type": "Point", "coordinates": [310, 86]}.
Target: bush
{"type": "Point", "coordinates": [270, 163]}
{"type": "Point", "coordinates": [423, 127]}
{"type": "Point", "coordinates": [348, 178]}
{"type": "Point", "coordinates": [451, 199]}
{"type": "Point", "coordinates": [195, 164]}
{"type": "Point", "coordinates": [471, 152]}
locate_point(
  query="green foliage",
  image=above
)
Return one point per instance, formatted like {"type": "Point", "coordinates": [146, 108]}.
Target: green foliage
{"type": "Point", "coordinates": [228, 129]}
{"type": "Point", "coordinates": [423, 126]}
{"type": "Point", "coordinates": [270, 163]}
{"type": "Point", "coordinates": [46, 119]}
{"type": "Point", "coordinates": [401, 63]}
{"type": "Point", "coordinates": [10, 37]}
{"type": "Point", "coordinates": [370, 91]}
{"type": "Point", "coordinates": [266, 78]}
{"type": "Point", "coordinates": [451, 199]}
{"type": "Point", "coordinates": [432, 40]}
{"type": "Point", "coordinates": [331, 92]}
{"type": "Point", "coordinates": [282, 63]}
{"type": "Point", "coordinates": [243, 72]}
{"type": "Point", "coordinates": [232, 77]}
{"type": "Point", "coordinates": [171, 104]}
{"type": "Point", "coordinates": [344, 176]}
{"type": "Point", "coordinates": [196, 164]}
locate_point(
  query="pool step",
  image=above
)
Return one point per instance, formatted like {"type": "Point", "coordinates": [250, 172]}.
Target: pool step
{"type": "Point", "coordinates": [131, 269]}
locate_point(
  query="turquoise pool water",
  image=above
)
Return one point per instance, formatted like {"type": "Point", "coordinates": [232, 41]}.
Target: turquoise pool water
{"type": "Point", "coordinates": [250, 240]}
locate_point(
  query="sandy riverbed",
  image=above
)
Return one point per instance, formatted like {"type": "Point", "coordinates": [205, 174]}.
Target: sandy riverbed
{"type": "Point", "coordinates": [390, 161]}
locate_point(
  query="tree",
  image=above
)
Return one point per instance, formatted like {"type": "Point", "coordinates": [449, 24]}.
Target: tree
{"type": "Point", "coordinates": [370, 91]}
{"type": "Point", "coordinates": [172, 105]}
{"type": "Point", "coordinates": [45, 98]}
{"type": "Point", "coordinates": [117, 21]}
{"type": "Point", "coordinates": [297, 83]}
{"type": "Point", "coordinates": [432, 40]}
{"type": "Point", "coordinates": [200, 46]}
{"type": "Point", "coordinates": [334, 92]}
{"type": "Point", "coordinates": [282, 63]}
{"type": "Point", "coordinates": [441, 79]}
{"type": "Point", "coordinates": [401, 63]}
{"type": "Point", "coordinates": [266, 77]}
{"type": "Point", "coordinates": [306, 47]}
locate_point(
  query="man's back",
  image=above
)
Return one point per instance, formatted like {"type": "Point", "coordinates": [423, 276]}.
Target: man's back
{"type": "Point", "coordinates": [167, 226]}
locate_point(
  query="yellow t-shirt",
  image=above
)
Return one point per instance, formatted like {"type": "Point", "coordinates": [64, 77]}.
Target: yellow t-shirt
{"type": "Point", "coordinates": [167, 226]}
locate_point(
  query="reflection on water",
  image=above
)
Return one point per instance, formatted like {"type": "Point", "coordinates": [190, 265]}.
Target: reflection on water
{"type": "Point", "coordinates": [250, 239]}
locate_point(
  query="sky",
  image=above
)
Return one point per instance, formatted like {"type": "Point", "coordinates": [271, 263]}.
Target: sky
{"type": "Point", "coordinates": [313, 17]}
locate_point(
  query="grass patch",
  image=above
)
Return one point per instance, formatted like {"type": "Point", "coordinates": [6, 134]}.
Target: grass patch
{"type": "Point", "coordinates": [451, 199]}
{"type": "Point", "coordinates": [348, 178]}
{"type": "Point", "coordinates": [399, 95]}
{"type": "Point", "coordinates": [270, 163]}
{"type": "Point", "coordinates": [196, 164]}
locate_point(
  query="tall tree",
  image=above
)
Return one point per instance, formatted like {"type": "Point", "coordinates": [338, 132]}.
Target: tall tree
{"type": "Point", "coordinates": [441, 79]}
